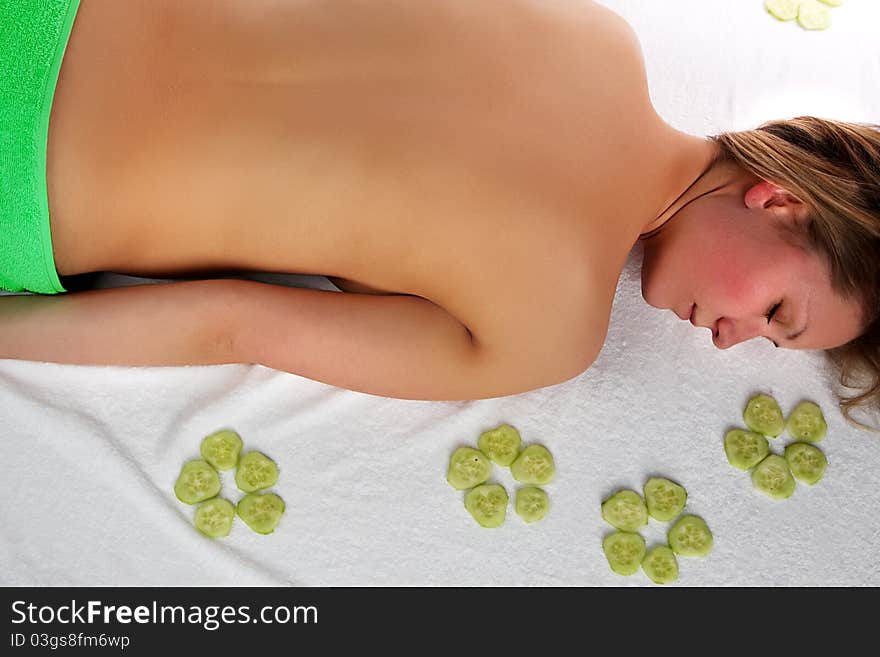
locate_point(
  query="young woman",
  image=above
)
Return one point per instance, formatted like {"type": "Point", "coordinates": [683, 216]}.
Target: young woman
{"type": "Point", "coordinates": [473, 176]}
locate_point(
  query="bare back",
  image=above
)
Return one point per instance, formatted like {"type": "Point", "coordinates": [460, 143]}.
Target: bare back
{"type": "Point", "coordinates": [398, 147]}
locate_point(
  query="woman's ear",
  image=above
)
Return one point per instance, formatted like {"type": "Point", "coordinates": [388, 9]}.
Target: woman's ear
{"type": "Point", "coordinates": [765, 194]}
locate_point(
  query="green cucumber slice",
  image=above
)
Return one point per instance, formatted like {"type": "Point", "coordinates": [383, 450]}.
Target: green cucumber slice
{"type": "Point", "coordinates": [256, 471]}
{"type": "Point", "coordinates": [501, 444]}
{"type": "Point", "coordinates": [197, 482]}
{"type": "Point", "coordinates": [624, 551]}
{"type": "Point", "coordinates": [807, 462]}
{"type": "Point", "coordinates": [690, 537]}
{"type": "Point", "coordinates": [763, 415]}
{"type": "Point", "coordinates": [625, 510]}
{"type": "Point", "coordinates": [773, 477]}
{"type": "Point", "coordinates": [784, 10]}
{"type": "Point", "coordinates": [487, 504]}
{"type": "Point", "coordinates": [534, 465]}
{"type": "Point", "coordinates": [221, 449]}
{"type": "Point", "coordinates": [261, 511]}
{"type": "Point", "coordinates": [813, 15]}
{"type": "Point", "coordinates": [664, 498]}
{"type": "Point", "coordinates": [468, 467]}
{"type": "Point", "coordinates": [806, 422]}
{"type": "Point", "coordinates": [532, 503]}
{"type": "Point", "coordinates": [660, 565]}
{"type": "Point", "coordinates": [745, 449]}
{"type": "Point", "coordinates": [214, 517]}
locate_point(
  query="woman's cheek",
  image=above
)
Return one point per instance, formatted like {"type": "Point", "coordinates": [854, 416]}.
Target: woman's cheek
{"type": "Point", "coordinates": [738, 288]}
{"type": "Point", "coordinates": [660, 279]}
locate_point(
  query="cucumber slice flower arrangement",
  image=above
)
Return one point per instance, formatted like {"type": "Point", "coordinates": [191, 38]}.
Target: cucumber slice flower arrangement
{"type": "Point", "coordinates": [470, 469]}
{"type": "Point", "coordinates": [776, 475]}
{"type": "Point", "coordinates": [199, 483]}
{"type": "Point", "coordinates": [627, 512]}
{"type": "Point", "coordinates": [809, 14]}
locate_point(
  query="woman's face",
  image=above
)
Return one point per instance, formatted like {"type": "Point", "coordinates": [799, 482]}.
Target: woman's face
{"type": "Point", "coordinates": [724, 253]}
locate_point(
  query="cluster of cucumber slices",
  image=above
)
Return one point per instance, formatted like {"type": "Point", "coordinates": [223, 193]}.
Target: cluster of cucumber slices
{"type": "Point", "coordinates": [470, 468]}
{"type": "Point", "coordinates": [772, 474]}
{"type": "Point", "coordinates": [627, 512]}
{"type": "Point", "coordinates": [810, 14]}
{"type": "Point", "coordinates": [199, 483]}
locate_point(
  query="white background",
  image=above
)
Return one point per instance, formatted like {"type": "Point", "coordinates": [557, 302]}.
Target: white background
{"type": "Point", "coordinates": [90, 454]}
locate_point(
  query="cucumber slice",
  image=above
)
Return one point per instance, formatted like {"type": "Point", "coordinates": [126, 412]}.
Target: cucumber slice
{"type": "Point", "coordinates": [261, 511]}
{"type": "Point", "coordinates": [487, 504]}
{"type": "Point", "coordinates": [501, 444]}
{"type": "Point", "coordinates": [256, 471]}
{"type": "Point", "coordinates": [784, 10]}
{"type": "Point", "coordinates": [806, 422]}
{"type": "Point", "coordinates": [468, 468]}
{"type": "Point", "coordinates": [221, 449]}
{"type": "Point", "coordinates": [660, 565]}
{"type": "Point", "coordinates": [197, 482]}
{"type": "Point", "coordinates": [665, 499]}
{"type": "Point", "coordinates": [534, 465]}
{"type": "Point", "coordinates": [745, 449]}
{"type": "Point", "coordinates": [763, 415]}
{"type": "Point", "coordinates": [624, 551]}
{"type": "Point", "coordinates": [625, 510]}
{"type": "Point", "coordinates": [807, 462]}
{"type": "Point", "coordinates": [690, 537]}
{"type": "Point", "coordinates": [773, 477]}
{"type": "Point", "coordinates": [214, 517]}
{"type": "Point", "coordinates": [813, 15]}
{"type": "Point", "coordinates": [532, 503]}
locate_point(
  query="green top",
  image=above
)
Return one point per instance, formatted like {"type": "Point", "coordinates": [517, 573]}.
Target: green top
{"type": "Point", "coordinates": [33, 39]}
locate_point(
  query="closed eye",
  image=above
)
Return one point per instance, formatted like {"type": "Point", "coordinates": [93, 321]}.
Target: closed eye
{"type": "Point", "coordinates": [769, 317]}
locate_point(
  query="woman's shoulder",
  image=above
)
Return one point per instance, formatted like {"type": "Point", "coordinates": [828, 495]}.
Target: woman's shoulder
{"type": "Point", "coordinates": [581, 54]}
{"type": "Point", "coordinates": [549, 314]}
{"type": "Point", "coordinates": [575, 19]}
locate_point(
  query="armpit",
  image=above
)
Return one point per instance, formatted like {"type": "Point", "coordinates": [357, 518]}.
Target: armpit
{"type": "Point", "coordinates": [348, 285]}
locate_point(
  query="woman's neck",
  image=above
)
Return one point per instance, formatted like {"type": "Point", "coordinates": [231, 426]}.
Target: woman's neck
{"type": "Point", "coordinates": [692, 172]}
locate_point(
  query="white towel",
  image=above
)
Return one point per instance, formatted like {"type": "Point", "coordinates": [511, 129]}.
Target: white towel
{"type": "Point", "coordinates": [89, 454]}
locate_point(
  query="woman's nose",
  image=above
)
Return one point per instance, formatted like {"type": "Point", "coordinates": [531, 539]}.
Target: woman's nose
{"type": "Point", "coordinates": [733, 331]}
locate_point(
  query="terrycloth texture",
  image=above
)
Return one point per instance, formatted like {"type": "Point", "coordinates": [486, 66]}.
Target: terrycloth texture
{"type": "Point", "coordinates": [33, 37]}
{"type": "Point", "coordinates": [90, 454]}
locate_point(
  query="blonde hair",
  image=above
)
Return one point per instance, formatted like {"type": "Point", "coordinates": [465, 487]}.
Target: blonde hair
{"type": "Point", "coordinates": [834, 168]}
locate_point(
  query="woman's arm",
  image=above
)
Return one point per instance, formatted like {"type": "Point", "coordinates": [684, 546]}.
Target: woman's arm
{"type": "Point", "coordinates": [402, 346]}
{"type": "Point", "coordinates": [184, 323]}
{"type": "Point", "coordinates": [398, 346]}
